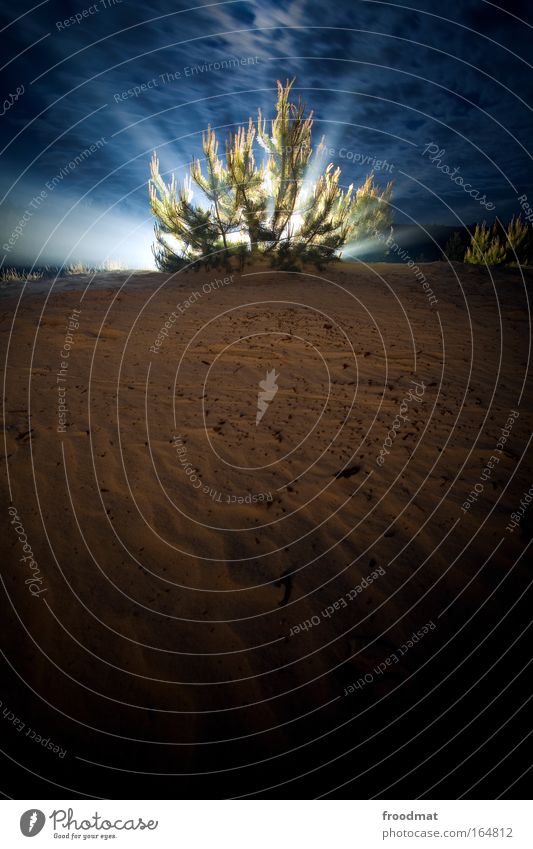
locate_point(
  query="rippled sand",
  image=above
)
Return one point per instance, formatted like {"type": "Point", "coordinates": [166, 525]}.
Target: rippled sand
{"type": "Point", "coordinates": [195, 574]}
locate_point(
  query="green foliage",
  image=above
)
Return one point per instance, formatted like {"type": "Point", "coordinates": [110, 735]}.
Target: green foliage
{"type": "Point", "coordinates": [454, 248]}
{"type": "Point", "coordinates": [266, 208]}
{"type": "Point", "coordinates": [248, 182]}
{"type": "Point", "coordinates": [15, 275]}
{"type": "Point", "coordinates": [485, 247]}
{"type": "Point", "coordinates": [519, 242]}
{"type": "Point", "coordinates": [47, 272]}
{"type": "Point", "coordinates": [499, 245]}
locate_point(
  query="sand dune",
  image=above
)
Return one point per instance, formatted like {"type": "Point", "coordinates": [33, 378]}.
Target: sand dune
{"type": "Point", "coordinates": [180, 543]}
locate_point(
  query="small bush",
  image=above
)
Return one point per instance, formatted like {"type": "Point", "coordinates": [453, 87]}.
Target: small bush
{"type": "Point", "coordinates": [270, 209]}
{"type": "Point", "coordinates": [455, 248]}
{"type": "Point", "coordinates": [15, 275]}
{"type": "Point", "coordinates": [499, 245]}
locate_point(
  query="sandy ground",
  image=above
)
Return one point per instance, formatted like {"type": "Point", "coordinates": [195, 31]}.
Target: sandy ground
{"type": "Point", "coordinates": [178, 545]}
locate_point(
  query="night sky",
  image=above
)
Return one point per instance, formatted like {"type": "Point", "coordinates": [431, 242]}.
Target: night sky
{"type": "Point", "coordinates": [385, 80]}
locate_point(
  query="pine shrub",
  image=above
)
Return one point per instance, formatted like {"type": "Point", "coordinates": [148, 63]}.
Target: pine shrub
{"type": "Point", "coordinates": [267, 208]}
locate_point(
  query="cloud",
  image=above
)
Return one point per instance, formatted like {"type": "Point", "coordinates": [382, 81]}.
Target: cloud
{"type": "Point", "coordinates": [374, 74]}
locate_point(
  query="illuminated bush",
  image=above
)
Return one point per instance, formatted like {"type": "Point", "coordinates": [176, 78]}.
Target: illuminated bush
{"type": "Point", "coordinates": [499, 245]}
{"type": "Point", "coordinates": [285, 207]}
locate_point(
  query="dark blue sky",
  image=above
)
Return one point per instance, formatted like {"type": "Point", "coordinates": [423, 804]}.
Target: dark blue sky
{"type": "Point", "coordinates": [385, 80]}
